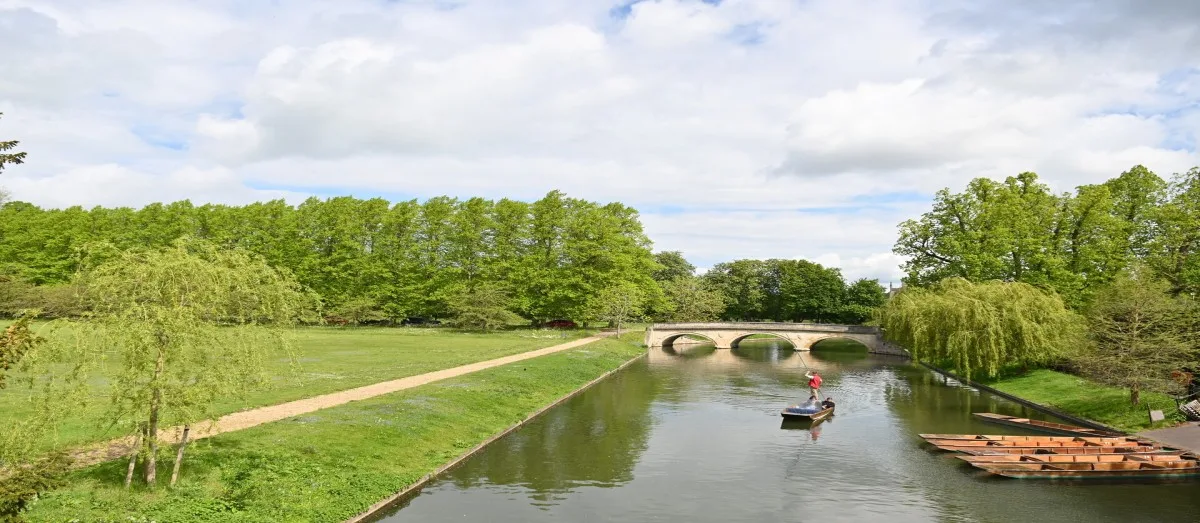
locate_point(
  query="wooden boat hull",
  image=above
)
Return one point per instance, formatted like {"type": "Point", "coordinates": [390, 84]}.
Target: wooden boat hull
{"type": "Point", "coordinates": [997, 451]}
{"type": "Point", "coordinates": [991, 437]}
{"type": "Point", "coordinates": [1176, 465]}
{"type": "Point", "coordinates": [1043, 426]}
{"type": "Point", "coordinates": [951, 447]}
{"type": "Point", "coordinates": [1143, 474]}
{"type": "Point", "coordinates": [1070, 458]}
{"type": "Point", "coordinates": [815, 416]}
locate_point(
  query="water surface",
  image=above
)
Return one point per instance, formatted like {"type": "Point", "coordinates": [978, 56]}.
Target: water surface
{"type": "Point", "coordinates": [694, 435]}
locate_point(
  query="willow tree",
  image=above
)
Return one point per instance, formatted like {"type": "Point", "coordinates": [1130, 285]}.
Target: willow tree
{"type": "Point", "coordinates": [981, 327]}
{"type": "Point", "coordinates": [189, 324]}
{"type": "Point", "coordinates": [54, 374]}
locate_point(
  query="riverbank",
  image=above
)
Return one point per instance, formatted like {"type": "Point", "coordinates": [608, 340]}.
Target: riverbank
{"type": "Point", "coordinates": [333, 464]}
{"type": "Point", "coordinates": [329, 359]}
{"type": "Point", "coordinates": [1086, 399]}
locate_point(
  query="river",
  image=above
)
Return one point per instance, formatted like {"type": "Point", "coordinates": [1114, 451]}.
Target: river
{"type": "Point", "coordinates": [694, 435]}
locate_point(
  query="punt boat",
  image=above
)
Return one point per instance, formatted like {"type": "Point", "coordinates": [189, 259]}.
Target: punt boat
{"type": "Point", "coordinates": [1132, 467]}
{"type": "Point", "coordinates": [1071, 458]}
{"type": "Point", "coordinates": [794, 413]}
{"type": "Point", "coordinates": [1044, 426]}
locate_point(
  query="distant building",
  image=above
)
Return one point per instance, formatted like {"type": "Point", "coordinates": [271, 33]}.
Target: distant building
{"type": "Point", "coordinates": [893, 290]}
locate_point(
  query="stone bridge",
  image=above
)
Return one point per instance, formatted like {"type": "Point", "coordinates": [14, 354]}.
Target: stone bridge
{"type": "Point", "coordinates": [802, 336]}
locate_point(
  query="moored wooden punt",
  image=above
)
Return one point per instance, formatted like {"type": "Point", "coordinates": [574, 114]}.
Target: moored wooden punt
{"type": "Point", "coordinates": [992, 437]}
{"type": "Point", "coordinates": [1132, 449]}
{"type": "Point", "coordinates": [1072, 458]}
{"type": "Point", "coordinates": [1132, 467]}
{"type": "Point", "coordinates": [1043, 426]}
{"type": "Point", "coordinates": [953, 447]}
{"type": "Point", "coordinates": [1009, 443]}
{"type": "Point", "coordinates": [815, 416]}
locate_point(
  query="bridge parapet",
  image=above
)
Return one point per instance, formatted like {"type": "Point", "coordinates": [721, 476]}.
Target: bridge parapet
{"type": "Point", "coordinates": [801, 335]}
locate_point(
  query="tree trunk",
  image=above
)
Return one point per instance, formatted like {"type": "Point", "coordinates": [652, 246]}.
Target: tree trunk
{"type": "Point", "coordinates": [179, 455]}
{"type": "Point", "coordinates": [1134, 395]}
{"type": "Point", "coordinates": [152, 432]}
{"type": "Point", "coordinates": [618, 330]}
{"type": "Point", "coordinates": [137, 449]}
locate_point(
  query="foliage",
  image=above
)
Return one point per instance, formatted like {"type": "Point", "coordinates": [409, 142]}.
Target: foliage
{"type": "Point", "coordinates": [186, 324]}
{"type": "Point", "coordinates": [24, 474]}
{"type": "Point", "coordinates": [791, 290]}
{"type": "Point", "coordinates": [9, 158]}
{"type": "Point", "coordinates": [1174, 246]}
{"type": "Point", "coordinates": [412, 258]}
{"type": "Point", "coordinates": [1140, 335]}
{"type": "Point", "coordinates": [690, 299]}
{"type": "Point", "coordinates": [673, 266]}
{"type": "Point", "coordinates": [357, 311]}
{"type": "Point", "coordinates": [17, 340]}
{"type": "Point", "coordinates": [28, 482]}
{"type": "Point", "coordinates": [1017, 230]}
{"type": "Point", "coordinates": [483, 308]}
{"type": "Point", "coordinates": [980, 327]}
{"type": "Point", "coordinates": [344, 459]}
{"type": "Point", "coordinates": [620, 304]}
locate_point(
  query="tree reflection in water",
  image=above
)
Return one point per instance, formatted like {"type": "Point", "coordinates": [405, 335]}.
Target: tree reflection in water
{"type": "Point", "coordinates": [594, 439]}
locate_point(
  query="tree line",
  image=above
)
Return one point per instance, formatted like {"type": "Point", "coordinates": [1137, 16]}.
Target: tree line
{"type": "Point", "coordinates": [484, 263]}
{"type": "Point", "coordinates": [1072, 243]}
{"type": "Point", "coordinates": [1102, 282]}
{"type": "Point", "coordinates": [367, 258]}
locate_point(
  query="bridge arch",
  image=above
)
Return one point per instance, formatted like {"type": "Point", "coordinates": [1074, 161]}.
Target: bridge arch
{"type": "Point", "coordinates": [670, 340]}
{"type": "Point", "coordinates": [738, 340]}
{"type": "Point", "coordinates": [866, 347]}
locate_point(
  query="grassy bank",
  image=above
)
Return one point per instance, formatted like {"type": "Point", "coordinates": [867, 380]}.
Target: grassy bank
{"type": "Point", "coordinates": [1086, 399]}
{"type": "Point", "coordinates": [334, 463]}
{"type": "Point", "coordinates": [330, 359]}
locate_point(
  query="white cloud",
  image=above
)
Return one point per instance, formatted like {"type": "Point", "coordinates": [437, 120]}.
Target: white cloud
{"type": "Point", "coordinates": [741, 128]}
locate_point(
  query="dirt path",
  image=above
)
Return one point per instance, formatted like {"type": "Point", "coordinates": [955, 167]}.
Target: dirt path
{"type": "Point", "coordinates": [118, 448]}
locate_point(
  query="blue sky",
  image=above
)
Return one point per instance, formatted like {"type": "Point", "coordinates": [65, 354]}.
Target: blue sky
{"type": "Point", "coordinates": [739, 128]}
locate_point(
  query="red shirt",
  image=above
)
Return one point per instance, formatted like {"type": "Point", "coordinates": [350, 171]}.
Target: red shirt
{"type": "Point", "coordinates": [815, 382]}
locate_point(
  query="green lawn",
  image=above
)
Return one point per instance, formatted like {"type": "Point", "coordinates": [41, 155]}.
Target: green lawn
{"type": "Point", "coordinates": [332, 464]}
{"type": "Point", "coordinates": [331, 359]}
{"type": "Point", "coordinates": [1086, 399]}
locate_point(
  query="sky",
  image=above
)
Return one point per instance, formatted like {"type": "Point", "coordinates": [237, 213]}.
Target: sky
{"type": "Point", "coordinates": [738, 128]}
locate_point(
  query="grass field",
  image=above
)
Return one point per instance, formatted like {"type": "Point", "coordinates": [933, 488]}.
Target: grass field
{"type": "Point", "coordinates": [330, 359]}
{"type": "Point", "coordinates": [1086, 399]}
{"type": "Point", "coordinates": [334, 463]}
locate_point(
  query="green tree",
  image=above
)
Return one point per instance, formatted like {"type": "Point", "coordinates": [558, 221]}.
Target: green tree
{"type": "Point", "coordinates": [359, 310]}
{"type": "Point", "coordinates": [863, 298]}
{"type": "Point", "coordinates": [673, 266]}
{"type": "Point", "coordinates": [57, 384]}
{"type": "Point", "coordinates": [7, 157]}
{"type": "Point", "coordinates": [189, 324]}
{"type": "Point", "coordinates": [485, 308]}
{"type": "Point", "coordinates": [740, 284]}
{"type": "Point", "coordinates": [1136, 194]}
{"type": "Point", "coordinates": [1140, 334]}
{"type": "Point", "coordinates": [1175, 246]}
{"type": "Point", "coordinates": [688, 298]}
{"type": "Point", "coordinates": [620, 304]}
{"type": "Point", "coordinates": [978, 328]}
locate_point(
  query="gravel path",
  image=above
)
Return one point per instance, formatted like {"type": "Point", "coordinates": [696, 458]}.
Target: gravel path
{"type": "Point", "coordinates": [118, 448]}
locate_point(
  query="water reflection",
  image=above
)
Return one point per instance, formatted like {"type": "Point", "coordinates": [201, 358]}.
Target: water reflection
{"type": "Point", "coordinates": [694, 434]}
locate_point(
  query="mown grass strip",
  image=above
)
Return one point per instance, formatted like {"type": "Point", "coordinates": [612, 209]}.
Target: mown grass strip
{"type": "Point", "coordinates": [1086, 399]}
{"type": "Point", "coordinates": [335, 463]}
